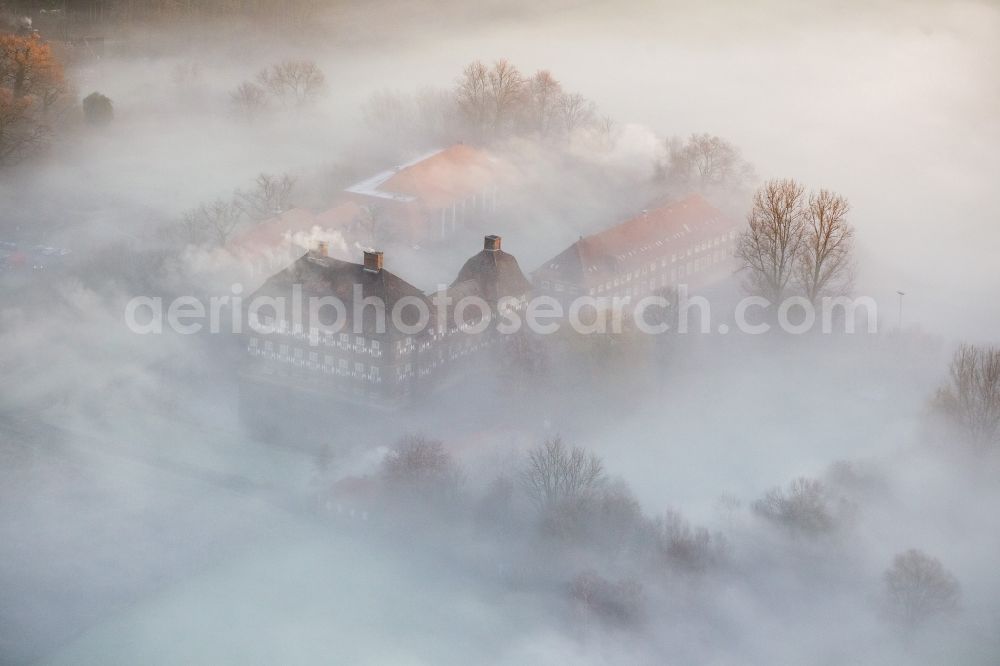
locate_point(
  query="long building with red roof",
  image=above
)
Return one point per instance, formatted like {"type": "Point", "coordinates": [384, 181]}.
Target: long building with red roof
{"type": "Point", "coordinates": [685, 242]}
{"type": "Point", "coordinates": [433, 196]}
{"type": "Point", "coordinates": [420, 202]}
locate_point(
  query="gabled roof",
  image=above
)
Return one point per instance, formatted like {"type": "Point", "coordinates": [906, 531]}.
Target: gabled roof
{"type": "Point", "coordinates": [274, 231]}
{"type": "Point", "coordinates": [652, 233]}
{"type": "Point", "coordinates": [325, 276]}
{"type": "Point", "coordinates": [338, 217]}
{"type": "Point", "coordinates": [296, 225]}
{"type": "Point", "coordinates": [435, 179]}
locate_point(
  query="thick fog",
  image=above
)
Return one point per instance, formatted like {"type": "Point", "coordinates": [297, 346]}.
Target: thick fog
{"type": "Point", "coordinates": [144, 521]}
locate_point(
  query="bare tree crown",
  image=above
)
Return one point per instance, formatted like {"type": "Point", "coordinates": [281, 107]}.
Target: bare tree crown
{"type": "Point", "coordinates": [918, 588]}
{"type": "Point", "coordinates": [795, 242]}
{"type": "Point", "coordinates": [555, 474]}
{"type": "Point", "coordinates": [971, 400]}
{"type": "Point", "coordinates": [293, 82]}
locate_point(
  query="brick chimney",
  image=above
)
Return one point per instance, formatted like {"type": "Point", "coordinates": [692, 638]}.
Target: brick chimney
{"type": "Point", "coordinates": [373, 260]}
{"type": "Point", "coordinates": [323, 249]}
{"type": "Point", "coordinates": [492, 243]}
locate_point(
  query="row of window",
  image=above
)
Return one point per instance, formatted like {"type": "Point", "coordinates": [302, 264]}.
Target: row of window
{"type": "Point", "coordinates": [653, 266]}
{"type": "Point", "coordinates": [359, 344]}
{"type": "Point", "coordinates": [685, 269]}
{"type": "Point", "coordinates": [300, 357]}
{"type": "Point", "coordinates": [485, 201]}
{"type": "Point", "coordinates": [677, 274]}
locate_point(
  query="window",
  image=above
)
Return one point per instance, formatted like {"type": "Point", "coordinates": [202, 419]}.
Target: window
{"type": "Point", "coordinates": [269, 346]}
{"type": "Point", "coordinates": [253, 343]}
{"type": "Point", "coordinates": [344, 338]}
{"type": "Point", "coordinates": [545, 284]}
{"type": "Point", "coordinates": [375, 346]}
{"type": "Point", "coordinates": [342, 366]}
{"type": "Point", "coordinates": [298, 354]}
{"type": "Point", "coordinates": [313, 357]}
{"type": "Point", "coordinates": [283, 350]}
{"type": "Point", "coordinates": [359, 369]}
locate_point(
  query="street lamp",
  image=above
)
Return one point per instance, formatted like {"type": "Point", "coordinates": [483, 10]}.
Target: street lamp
{"type": "Point", "coordinates": [901, 294]}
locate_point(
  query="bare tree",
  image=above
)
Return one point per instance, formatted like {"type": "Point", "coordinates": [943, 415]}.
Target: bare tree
{"type": "Point", "coordinates": [506, 91]}
{"type": "Point", "coordinates": [706, 161]}
{"type": "Point", "coordinates": [825, 261]}
{"type": "Point", "coordinates": [249, 100]}
{"type": "Point", "coordinates": [489, 98]}
{"type": "Point", "coordinates": [918, 588]}
{"type": "Point", "coordinates": [619, 602]}
{"type": "Point", "coordinates": [543, 94]}
{"type": "Point", "coordinates": [293, 82]}
{"type": "Point", "coordinates": [420, 467]}
{"type": "Point", "coordinates": [215, 221]}
{"type": "Point", "coordinates": [686, 547]}
{"type": "Point", "coordinates": [575, 110]}
{"type": "Point", "coordinates": [608, 131]}
{"type": "Point", "coordinates": [769, 248]}
{"type": "Point", "coordinates": [269, 196]}
{"type": "Point", "coordinates": [972, 400]}
{"type": "Point", "coordinates": [473, 95]}
{"type": "Point", "coordinates": [556, 475]}
{"type": "Point", "coordinates": [806, 507]}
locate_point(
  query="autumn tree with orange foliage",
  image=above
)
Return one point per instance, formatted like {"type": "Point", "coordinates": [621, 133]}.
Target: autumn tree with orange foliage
{"type": "Point", "coordinates": [31, 81]}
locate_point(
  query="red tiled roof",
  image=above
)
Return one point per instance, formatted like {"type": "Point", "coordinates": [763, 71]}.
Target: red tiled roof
{"type": "Point", "coordinates": [435, 180]}
{"type": "Point", "coordinates": [339, 217]}
{"type": "Point", "coordinates": [275, 232]}
{"type": "Point", "coordinates": [652, 233]}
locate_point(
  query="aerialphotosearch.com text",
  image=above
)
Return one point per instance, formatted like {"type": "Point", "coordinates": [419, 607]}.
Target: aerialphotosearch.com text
{"type": "Point", "coordinates": [655, 314]}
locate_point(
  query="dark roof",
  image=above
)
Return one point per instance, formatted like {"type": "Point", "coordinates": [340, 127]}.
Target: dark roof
{"type": "Point", "coordinates": [496, 273]}
{"type": "Point", "coordinates": [326, 276]}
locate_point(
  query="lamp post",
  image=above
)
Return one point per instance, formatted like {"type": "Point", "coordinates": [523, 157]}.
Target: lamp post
{"type": "Point", "coordinates": [901, 294]}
